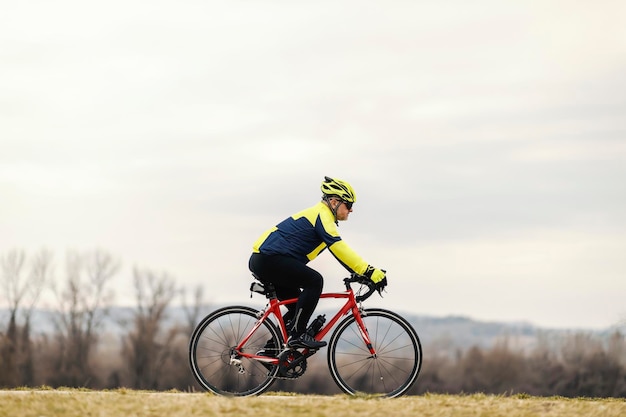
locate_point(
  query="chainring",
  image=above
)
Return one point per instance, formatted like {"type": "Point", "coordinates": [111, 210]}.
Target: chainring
{"type": "Point", "coordinates": [291, 364]}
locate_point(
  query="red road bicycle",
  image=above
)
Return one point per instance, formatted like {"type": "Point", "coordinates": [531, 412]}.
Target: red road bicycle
{"type": "Point", "coordinates": [241, 351]}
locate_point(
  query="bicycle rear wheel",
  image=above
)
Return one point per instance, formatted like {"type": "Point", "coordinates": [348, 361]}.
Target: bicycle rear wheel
{"type": "Point", "coordinates": [215, 364]}
{"type": "Point", "coordinates": [398, 358]}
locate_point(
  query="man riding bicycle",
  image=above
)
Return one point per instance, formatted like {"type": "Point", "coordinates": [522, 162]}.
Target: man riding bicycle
{"type": "Point", "coordinates": [280, 256]}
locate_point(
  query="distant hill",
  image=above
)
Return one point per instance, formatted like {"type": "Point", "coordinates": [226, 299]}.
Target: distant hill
{"type": "Point", "coordinates": [444, 334]}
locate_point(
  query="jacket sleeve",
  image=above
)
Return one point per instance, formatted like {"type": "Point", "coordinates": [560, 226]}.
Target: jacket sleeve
{"type": "Point", "coordinates": [326, 228]}
{"type": "Point", "coordinates": [348, 257]}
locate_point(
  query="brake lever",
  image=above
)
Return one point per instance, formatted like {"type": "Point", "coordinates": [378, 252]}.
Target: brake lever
{"type": "Point", "coordinates": [360, 298]}
{"type": "Point", "coordinates": [367, 282]}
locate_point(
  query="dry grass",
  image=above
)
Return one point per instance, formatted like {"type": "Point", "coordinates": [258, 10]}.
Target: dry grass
{"type": "Point", "coordinates": [119, 403]}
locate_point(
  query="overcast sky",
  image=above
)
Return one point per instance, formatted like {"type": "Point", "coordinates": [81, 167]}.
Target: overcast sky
{"type": "Point", "coordinates": [486, 141]}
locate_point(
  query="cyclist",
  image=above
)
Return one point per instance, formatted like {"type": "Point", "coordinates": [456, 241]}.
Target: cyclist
{"type": "Point", "coordinates": [280, 256]}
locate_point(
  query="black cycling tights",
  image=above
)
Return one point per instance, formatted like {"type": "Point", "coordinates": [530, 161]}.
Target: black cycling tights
{"type": "Point", "coordinates": [288, 276]}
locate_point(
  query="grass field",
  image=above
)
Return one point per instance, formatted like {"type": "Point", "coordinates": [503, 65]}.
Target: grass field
{"type": "Point", "coordinates": [119, 403]}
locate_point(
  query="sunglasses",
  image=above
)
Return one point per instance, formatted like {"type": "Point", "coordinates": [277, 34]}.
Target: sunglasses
{"type": "Point", "coordinates": [348, 205]}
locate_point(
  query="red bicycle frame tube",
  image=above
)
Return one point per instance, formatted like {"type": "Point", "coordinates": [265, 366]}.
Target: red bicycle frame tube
{"type": "Point", "coordinates": [274, 309]}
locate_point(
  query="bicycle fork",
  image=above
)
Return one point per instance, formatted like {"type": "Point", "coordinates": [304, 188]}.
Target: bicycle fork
{"type": "Point", "coordinates": [364, 333]}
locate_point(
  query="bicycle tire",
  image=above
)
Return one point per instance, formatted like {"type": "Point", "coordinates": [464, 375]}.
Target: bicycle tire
{"type": "Point", "coordinates": [397, 363]}
{"type": "Point", "coordinates": [210, 351]}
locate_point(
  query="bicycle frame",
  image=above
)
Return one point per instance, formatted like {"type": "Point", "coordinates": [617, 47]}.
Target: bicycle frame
{"type": "Point", "coordinates": [273, 308]}
{"type": "Point", "coordinates": [240, 350]}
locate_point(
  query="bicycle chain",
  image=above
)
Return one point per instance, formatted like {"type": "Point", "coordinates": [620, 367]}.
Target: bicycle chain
{"type": "Point", "coordinates": [277, 376]}
{"type": "Point", "coordinates": [298, 373]}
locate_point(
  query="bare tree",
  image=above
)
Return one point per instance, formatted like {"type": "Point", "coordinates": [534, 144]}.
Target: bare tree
{"type": "Point", "coordinates": [20, 288]}
{"type": "Point", "coordinates": [148, 346]}
{"type": "Point", "coordinates": [83, 303]}
{"type": "Point", "coordinates": [40, 274]}
{"type": "Point", "coordinates": [12, 266]}
{"type": "Point", "coordinates": [12, 278]}
{"type": "Point", "coordinates": [192, 312]}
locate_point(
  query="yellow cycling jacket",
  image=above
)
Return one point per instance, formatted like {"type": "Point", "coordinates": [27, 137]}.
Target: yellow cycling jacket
{"type": "Point", "coordinates": [305, 235]}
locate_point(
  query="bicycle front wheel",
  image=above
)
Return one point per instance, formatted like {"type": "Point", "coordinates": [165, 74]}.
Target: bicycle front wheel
{"type": "Point", "coordinates": [214, 362]}
{"type": "Point", "coordinates": [394, 368]}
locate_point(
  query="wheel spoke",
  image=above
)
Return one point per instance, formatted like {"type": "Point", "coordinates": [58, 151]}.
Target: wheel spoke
{"type": "Point", "coordinates": [211, 348]}
{"type": "Point", "coordinates": [398, 355]}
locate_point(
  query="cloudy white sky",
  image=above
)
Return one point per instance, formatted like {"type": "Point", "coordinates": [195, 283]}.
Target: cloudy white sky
{"type": "Point", "coordinates": [486, 141]}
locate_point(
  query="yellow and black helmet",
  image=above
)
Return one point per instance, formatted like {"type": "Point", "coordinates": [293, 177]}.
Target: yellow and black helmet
{"type": "Point", "coordinates": [340, 189]}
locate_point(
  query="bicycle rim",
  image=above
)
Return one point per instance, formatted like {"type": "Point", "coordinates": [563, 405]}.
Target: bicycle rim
{"type": "Point", "coordinates": [398, 355]}
{"type": "Point", "coordinates": [211, 352]}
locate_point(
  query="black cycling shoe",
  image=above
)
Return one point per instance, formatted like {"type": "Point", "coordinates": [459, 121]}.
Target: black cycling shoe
{"type": "Point", "coordinates": [305, 341]}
